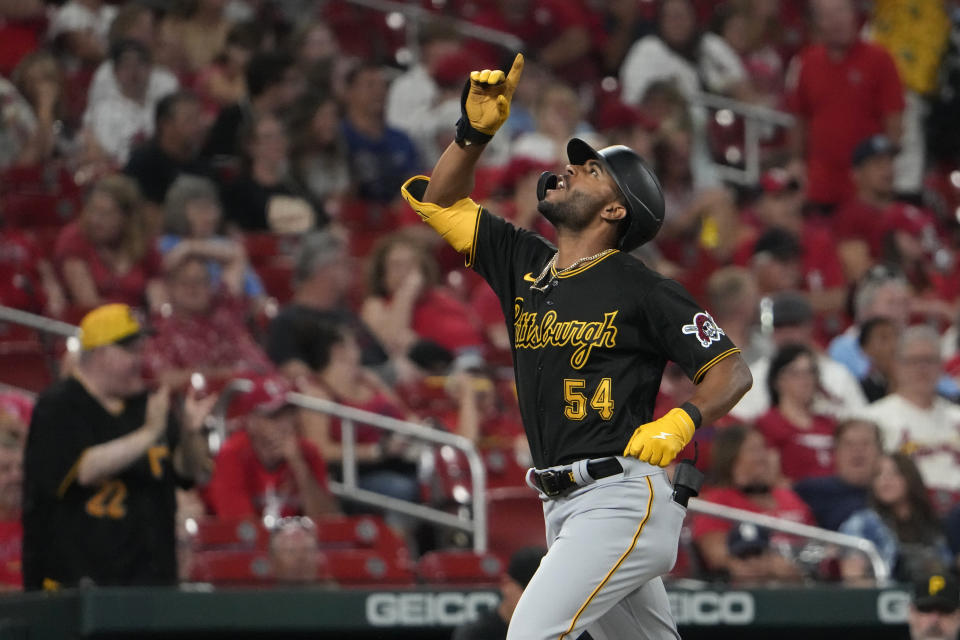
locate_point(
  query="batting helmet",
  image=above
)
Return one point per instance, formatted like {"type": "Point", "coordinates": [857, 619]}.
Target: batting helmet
{"type": "Point", "coordinates": [640, 188]}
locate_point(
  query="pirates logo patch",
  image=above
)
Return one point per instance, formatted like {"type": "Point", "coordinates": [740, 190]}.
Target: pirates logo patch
{"type": "Point", "coordinates": [705, 328]}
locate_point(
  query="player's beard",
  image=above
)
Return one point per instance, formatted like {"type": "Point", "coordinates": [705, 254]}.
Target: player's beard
{"type": "Point", "coordinates": [573, 213]}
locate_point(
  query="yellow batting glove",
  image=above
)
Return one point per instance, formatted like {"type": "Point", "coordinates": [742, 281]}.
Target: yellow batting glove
{"type": "Point", "coordinates": [485, 103]}
{"type": "Point", "coordinates": [660, 441]}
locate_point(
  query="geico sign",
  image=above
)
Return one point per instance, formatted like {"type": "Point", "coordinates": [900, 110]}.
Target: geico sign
{"type": "Point", "coordinates": [447, 608]}
{"type": "Point", "coordinates": [892, 607]}
{"type": "Point", "coordinates": [711, 607]}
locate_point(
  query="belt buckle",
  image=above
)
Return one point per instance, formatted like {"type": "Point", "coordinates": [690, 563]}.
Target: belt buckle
{"type": "Point", "coordinates": [550, 483]}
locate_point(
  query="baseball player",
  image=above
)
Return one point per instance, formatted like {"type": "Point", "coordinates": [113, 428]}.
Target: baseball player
{"type": "Point", "coordinates": [591, 329]}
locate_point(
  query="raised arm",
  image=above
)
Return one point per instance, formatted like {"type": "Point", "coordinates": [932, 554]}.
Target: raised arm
{"type": "Point", "coordinates": [484, 107]}
{"type": "Point", "coordinates": [452, 178]}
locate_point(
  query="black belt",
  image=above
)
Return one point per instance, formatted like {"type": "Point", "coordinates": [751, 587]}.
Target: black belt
{"type": "Point", "coordinates": [557, 482]}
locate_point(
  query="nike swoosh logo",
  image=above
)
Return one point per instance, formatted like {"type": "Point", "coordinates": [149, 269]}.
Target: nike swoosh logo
{"type": "Point", "coordinates": [663, 436]}
{"type": "Point", "coordinates": [528, 276]}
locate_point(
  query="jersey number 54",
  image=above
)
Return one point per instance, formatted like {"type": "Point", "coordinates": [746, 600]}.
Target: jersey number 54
{"type": "Point", "coordinates": [576, 408]}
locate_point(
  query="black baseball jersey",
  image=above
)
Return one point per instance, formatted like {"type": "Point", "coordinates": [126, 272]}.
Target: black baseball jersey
{"type": "Point", "coordinates": [118, 532]}
{"type": "Point", "coordinates": [590, 350]}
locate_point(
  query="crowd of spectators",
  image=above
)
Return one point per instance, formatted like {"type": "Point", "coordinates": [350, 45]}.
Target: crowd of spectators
{"type": "Point", "coordinates": [231, 171]}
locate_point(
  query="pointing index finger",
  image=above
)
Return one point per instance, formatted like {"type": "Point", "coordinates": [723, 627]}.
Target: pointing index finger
{"type": "Point", "coordinates": [514, 76]}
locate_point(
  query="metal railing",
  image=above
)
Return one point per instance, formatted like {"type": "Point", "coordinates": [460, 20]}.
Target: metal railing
{"type": "Point", "coordinates": [756, 118]}
{"type": "Point", "coordinates": [415, 16]}
{"type": "Point", "coordinates": [48, 331]}
{"type": "Point", "coordinates": [348, 488]}
{"type": "Point", "coordinates": [40, 323]}
{"type": "Point", "coordinates": [881, 572]}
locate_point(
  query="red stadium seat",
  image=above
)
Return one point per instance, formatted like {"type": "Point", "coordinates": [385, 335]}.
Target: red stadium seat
{"type": "Point", "coordinates": [39, 196]}
{"type": "Point", "coordinates": [515, 517]}
{"type": "Point", "coordinates": [229, 533]}
{"type": "Point", "coordinates": [380, 41]}
{"type": "Point", "coordinates": [45, 239]}
{"type": "Point", "coordinates": [459, 567]}
{"type": "Point", "coordinates": [261, 247]}
{"type": "Point", "coordinates": [277, 277]}
{"type": "Point", "coordinates": [367, 567]}
{"type": "Point", "coordinates": [503, 469]}
{"type": "Point", "coordinates": [18, 37]}
{"type": "Point", "coordinates": [231, 567]}
{"type": "Point", "coordinates": [361, 532]}
{"type": "Point", "coordinates": [452, 473]}
{"type": "Point", "coordinates": [27, 362]}
{"type": "Point", "coordinates": [37, 209]}
{"type": "Point", "coordinates": [26, 370]}
{"type": "Point", "coordinates": [265, 248]}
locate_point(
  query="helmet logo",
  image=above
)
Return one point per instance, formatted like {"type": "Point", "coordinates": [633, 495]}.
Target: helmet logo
{"type": "Point", "coordinates": [705, 328]}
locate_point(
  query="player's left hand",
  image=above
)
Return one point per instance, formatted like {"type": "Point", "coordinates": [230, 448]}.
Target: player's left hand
{"type": "Point", "coordinates": [660, 441]}
{"type": "Point", "coordinates": [485, 103]}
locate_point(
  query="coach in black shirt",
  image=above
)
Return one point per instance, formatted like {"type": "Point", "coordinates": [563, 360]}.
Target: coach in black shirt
{"type": "Point", "coordinates": [102, 461]}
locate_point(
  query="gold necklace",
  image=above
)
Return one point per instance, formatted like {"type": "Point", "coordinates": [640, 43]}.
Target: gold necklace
{"type": "Point", "coordinates": [551, 264]}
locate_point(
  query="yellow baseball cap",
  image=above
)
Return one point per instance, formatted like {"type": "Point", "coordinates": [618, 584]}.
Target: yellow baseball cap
{"type": "Point", "coordinates": [109, 324]}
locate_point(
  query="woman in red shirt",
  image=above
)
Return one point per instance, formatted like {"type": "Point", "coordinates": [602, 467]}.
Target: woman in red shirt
{"type": "Point", "coordinates": [105, 255]}
{"type": "Point", "coordinates": [382, 465]}
{"type": "Point", "coordinates": [743, 474]}
{"type": "Point", "coordinates": [803, 439]}
{"type": "Point", "coordinates": [405, 302]}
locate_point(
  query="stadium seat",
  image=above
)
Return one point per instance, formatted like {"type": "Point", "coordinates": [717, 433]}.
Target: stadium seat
{"type": "Point", "coordinates": [260, 247]}
{"type": "Point", "coordinates": [379, 41]}
{"type": "Point", "coordinates": [231, 567]}
{"type": "Point", "coordinates": [515, 517]}
{"type": "Point", "coordinates": [265, 248]}
{"type": "Point", "coordinates": [353, 567]}
{"type": "Point", "coordinates": [503, 468]}
{"type": "Point", "coordinates": [27, 363]}
{"type": "Point", "coordinates": [451, 482]}
{"type": "Point", "coordinates": [229, 533]}
{"type": "Point", "coordinates": [459, 567]}
{"type": "Point", "coordinates": [39, 196]}
{"type": "Point", "coordinates": [18, 37]}
{"type": "Point", "coordinates": [277, 277]}
{"type": "Point", "coordinates": [45, 238]}
{"type": "Point", "coordinates": [361, 532]}
{"type": "Point", "coordinates": [22, 210]}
